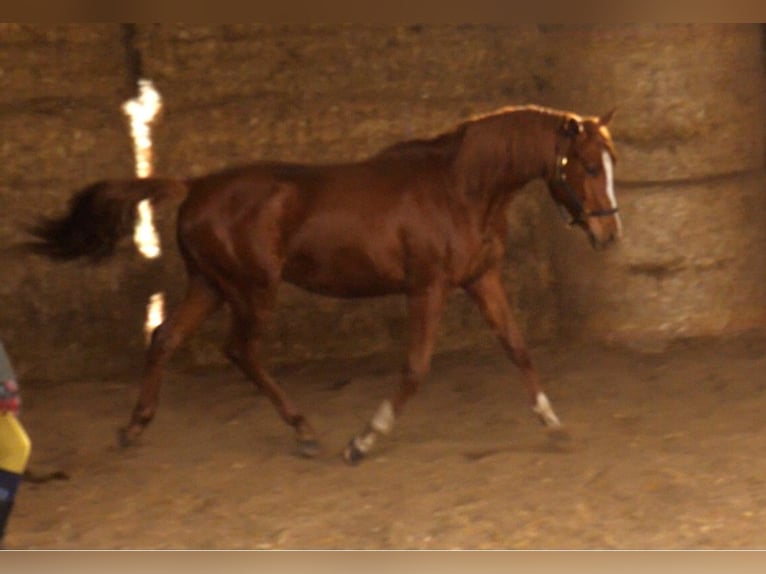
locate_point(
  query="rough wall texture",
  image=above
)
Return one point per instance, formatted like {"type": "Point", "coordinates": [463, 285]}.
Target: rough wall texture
{"type": "Point", "coordinates": [691, 131]}
{"type": "Point", "coordinates": [233, 94]}
{"type": "Point", "coordinates": [690, 108]}
{"type": "Point", "coordinates": [61, 87]}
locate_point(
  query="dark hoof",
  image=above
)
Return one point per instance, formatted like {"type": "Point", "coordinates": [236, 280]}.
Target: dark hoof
{"type": "Point", "coordinates": [558, 434]}
{"type": "Point", "coordinates": [308, 448]}
{"type": "Point", "coordinates": [352, 455]}
{"type": "Point", "coordinates": [126, 436]}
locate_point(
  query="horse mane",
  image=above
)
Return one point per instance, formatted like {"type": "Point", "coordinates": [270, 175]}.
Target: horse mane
{"type": "Point", "coordinates": [441, 144]}
{"type": "Point", "coordinates": [601, 131]}
{"type": "Point", "coordinates": [533, 108]}
{"type": "Point", "coordinates": [497, 150]}
{"type": "Point", "coordinates": [449, 141]}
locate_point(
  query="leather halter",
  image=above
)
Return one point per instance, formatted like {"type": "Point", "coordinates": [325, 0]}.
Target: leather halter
{"type": "Point", "coordinates": [581, 215]}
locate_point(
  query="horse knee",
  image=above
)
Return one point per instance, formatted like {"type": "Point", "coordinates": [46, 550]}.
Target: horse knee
{"type": "Point", "coordinates": [233, 352]}
{"type": "Point", "coordinates": [520, 357]}
{"type": "Point", "coordinates": [163, 339]}
{"type": "Point", "coordinates": [415, 373]}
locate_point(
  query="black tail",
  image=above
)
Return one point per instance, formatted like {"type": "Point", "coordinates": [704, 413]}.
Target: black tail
{"type": "Point", "coordinates": [98, 217]}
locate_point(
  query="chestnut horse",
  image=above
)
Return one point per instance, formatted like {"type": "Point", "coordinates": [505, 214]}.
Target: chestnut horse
{"type": "Point", "coordinates": [419, 218]}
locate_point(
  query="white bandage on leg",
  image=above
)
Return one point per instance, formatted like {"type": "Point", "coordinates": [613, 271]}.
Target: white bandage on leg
{"type": "Point", "coordinates": [544, 410]}
{"type": "Point", "coordinates": [383, 421]}
{"type": "Point", "coordinates": [364, 442]}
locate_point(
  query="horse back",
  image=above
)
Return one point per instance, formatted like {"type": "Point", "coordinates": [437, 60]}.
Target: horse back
{"type": "Point", "coordinates": [350, 230]}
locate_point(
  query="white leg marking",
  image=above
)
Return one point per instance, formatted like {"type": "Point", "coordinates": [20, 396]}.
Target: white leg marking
{"type": "Point", "coordinates": [609, 172]}
{"type": "Point", "coordinates": [544, 410]}
{"type": "Point", "coordinates": [383, 421]}
{"type": "Point", "coordinates": [364, 442]}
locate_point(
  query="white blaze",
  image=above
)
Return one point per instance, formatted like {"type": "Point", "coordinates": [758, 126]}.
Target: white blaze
{"type": "Point", "coordinates": [142, 111]}
{"type": "Point", "coordinates": [609, 173]}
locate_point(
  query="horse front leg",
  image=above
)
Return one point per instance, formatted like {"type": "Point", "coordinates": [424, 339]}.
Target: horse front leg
{"type": "Point", "coordinates": [424, 311]}
{"type": "Point", "coordinates": [489, 295]}
{"type": "Point", "coordinates": [200, 301]}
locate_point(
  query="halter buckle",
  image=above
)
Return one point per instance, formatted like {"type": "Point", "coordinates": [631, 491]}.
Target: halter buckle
{"type": "Point", "coordinates": [560, 180]}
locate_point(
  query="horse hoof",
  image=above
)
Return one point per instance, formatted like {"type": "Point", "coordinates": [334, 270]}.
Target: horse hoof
{"type": "Point", "coordinates": [558, 434]}
{"type": "Point", "coordinates": [308, 448]}
{"type": "Point", "coordinates": [352, 455]}
{"type": "Point", "coordinates": [126, 436]}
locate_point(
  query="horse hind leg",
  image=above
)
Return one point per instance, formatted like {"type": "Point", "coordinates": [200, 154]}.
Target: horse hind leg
{"type": "Point", "coordinates": [200, 301]}
{"type": "Point", "coordinates": [244, 351]}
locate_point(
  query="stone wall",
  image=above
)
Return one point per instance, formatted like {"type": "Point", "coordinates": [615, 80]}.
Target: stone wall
{"type": "Point", "coordinates": [690, 130]}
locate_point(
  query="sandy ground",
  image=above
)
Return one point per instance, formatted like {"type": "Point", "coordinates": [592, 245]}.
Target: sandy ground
{"type": "Point", "coordinates": [666, 452]}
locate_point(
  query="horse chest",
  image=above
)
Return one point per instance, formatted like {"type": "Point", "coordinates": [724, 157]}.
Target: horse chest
{"type": "Point", "coordinates": [472, 257]}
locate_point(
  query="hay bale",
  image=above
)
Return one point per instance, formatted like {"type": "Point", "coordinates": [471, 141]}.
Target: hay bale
{"type": "Point", "coordinates": [690, 264]}
{"type": "Point", "coordinates": [690, 98]}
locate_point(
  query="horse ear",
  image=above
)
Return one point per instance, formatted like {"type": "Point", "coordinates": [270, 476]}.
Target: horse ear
{"type": "Point", "coordinates": [572, 127]}
{"type": "Point", "coordinates": [607, 117]}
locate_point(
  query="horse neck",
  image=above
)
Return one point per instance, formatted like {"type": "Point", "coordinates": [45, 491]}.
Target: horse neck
{"type": "Point", "coordinates": [501, 153]}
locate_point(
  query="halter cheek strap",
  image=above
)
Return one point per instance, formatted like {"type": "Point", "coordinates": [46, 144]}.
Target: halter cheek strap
{"type": "Point", "coordinates": [560, 181]}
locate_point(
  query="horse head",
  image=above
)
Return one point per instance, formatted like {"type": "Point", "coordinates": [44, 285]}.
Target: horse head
{"type": "Point", "coordinates": [583, 180]}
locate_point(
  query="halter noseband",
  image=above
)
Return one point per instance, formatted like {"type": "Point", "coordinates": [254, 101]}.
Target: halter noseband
{"type": "Point", "coordinates": [582, 214]}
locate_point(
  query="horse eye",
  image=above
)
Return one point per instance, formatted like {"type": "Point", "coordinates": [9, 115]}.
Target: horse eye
{"type": "Point", "coordinates": [592, 170]}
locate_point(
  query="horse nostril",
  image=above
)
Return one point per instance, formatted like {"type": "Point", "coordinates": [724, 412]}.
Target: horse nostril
{"type": "Point", "coordinates": [605, 240]}
{"type": "Point", "coordinates": [614, 237]}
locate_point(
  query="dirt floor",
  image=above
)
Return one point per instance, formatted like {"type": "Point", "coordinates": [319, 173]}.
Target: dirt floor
{"type": "Point", "coordinates": [666, 452]}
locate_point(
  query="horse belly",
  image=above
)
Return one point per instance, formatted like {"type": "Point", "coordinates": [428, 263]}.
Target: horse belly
{"type": "Point", "coordinates": [362, 268]}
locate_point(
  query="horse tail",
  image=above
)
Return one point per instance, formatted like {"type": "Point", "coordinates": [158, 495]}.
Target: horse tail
{"type": "Point", "coordinates": [98, 217]}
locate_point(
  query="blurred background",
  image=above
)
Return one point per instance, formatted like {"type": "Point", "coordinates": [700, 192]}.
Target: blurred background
{"type": "Point", "coordinates": [689, 130]}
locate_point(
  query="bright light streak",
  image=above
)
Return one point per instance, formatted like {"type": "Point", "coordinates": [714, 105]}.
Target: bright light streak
{"type": "Point", "coordinates": [142, 111]}
{"type": "Point", "coordinates": [155, 314]}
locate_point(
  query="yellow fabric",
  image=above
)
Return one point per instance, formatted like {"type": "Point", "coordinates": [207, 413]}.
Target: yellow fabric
{"type": "Point", "coordinates": [15, 445]}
